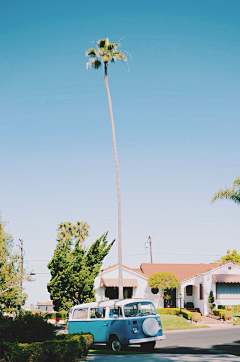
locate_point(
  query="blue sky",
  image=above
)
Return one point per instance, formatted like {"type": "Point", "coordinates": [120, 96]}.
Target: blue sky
{"type": "Point", "coordinates": [177, 125]}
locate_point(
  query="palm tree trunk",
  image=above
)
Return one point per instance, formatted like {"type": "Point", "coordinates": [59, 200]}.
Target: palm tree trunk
{"type": "Point", "coordinates": [120, 281]}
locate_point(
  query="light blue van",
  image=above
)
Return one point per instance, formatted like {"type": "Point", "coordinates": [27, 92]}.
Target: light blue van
{"type": "Point", "coordinates": [118, 323]}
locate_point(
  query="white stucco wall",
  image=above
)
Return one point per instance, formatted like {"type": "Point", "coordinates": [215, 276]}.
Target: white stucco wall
{"type": "Point", "coordinates": [206, 280]}
{"type": "Point", "coordinates": [127, 274]}
{"type": "Point", "coordinates": [209, 285]}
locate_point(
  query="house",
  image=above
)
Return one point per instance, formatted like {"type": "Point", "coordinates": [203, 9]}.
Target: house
{"type": "Point", "coordinates": [45, 307]}
{"type": "Point", "coordinates": [195, 283]}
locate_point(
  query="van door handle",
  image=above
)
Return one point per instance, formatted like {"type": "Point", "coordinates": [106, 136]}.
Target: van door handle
{"type": "Point", "coordinates": [105, 325]}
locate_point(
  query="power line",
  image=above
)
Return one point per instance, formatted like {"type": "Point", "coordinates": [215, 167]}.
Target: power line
{"type": "Point", "coordinates": [145, 254]}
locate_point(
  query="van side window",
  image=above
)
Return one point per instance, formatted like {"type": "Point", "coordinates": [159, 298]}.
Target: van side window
{"type": "Point", "coordinates": [116, 311]}
{"type": "Point", "coordinates": [97, 312]}
{"type": "Point", "coordinates": [80, 313]}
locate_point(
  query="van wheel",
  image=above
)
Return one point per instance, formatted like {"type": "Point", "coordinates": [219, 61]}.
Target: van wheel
{"type": "Point", "coordinates": [116, 345]}
{"type": "Point", "coordinates": [148, 346]}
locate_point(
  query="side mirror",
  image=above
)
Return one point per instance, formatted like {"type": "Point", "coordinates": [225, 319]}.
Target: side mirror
{"type": "Point", "coordinates": [115, 316]}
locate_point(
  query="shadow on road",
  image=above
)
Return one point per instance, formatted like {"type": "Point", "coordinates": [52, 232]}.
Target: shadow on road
{"type": "Point", "coordinates": [231, 349]}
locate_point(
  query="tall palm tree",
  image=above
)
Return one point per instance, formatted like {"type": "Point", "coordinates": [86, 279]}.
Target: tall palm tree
{"type": "Point", "coordinates": [104, 53]}
{"type": "Point", "coordinates": [231, 193]}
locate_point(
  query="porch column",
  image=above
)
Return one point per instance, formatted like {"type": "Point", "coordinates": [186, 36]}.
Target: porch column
{"type": "Point", "coordinates": [181, 297]}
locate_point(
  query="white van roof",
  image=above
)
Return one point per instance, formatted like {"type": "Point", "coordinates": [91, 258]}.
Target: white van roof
{"type": "Point", "coordinates": [110, 303]}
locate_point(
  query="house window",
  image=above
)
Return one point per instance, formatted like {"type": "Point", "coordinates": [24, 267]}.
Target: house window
{"type": "Point", "coordinates": [200, 291]}
{"type": "Point", "coordinates": [189, 290]}
{"type": "Point", "coordinates": [228, 290]}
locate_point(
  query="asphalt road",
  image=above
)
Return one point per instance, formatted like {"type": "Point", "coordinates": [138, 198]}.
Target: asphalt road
{"type": "Point", "coordinates": [201, 341]}
{"type": "Point", "coordinates": [200, 345]}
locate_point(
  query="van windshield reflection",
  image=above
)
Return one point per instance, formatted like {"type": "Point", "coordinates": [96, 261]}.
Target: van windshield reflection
{"type": "Point", "coordinates": [139, 309]}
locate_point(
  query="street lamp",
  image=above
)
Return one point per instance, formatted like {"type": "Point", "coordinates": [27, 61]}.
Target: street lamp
{"type": "Point", "coordinates": [180, 295]}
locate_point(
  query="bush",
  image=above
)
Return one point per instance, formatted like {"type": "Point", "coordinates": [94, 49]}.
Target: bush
{"type": "Point", "coordinates": [172, 311]}
{"type": "Point", "coordinates": [221, 306]}
{"type": "Point", "coordinates": [53, 315]}
{"type": "Point", "coordinates": [227, 315]}
{"type": "Point", "coordinates": [189, 305]}
{"type": "Point", "coordinates": [26, 328]}
{"type": "Point", "coordinates": [196, 317]}
{"type": "Point", "coordinates": [219, 312]}
{"type": "Point", "coordinates": [65, 349]}
{"type": "Point", "coordinates": [235, 309]}
{"type": "Point", "coordinates": [223, 314]}
{"type": "Point", "coordinates": [176, 311]}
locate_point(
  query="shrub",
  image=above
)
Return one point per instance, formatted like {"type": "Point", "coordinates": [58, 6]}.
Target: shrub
{"type": "Point", "coordinates": [26, 328]}
{"type": "Point", "coordinates": [196, 317]}
{"type": "Point", "coordinates": [172, 311]}
{"type": "Point", "coordinates": [227, 315]}
{"type": "Point", "coordinates": [66, 348]}
{"type": "Point", "coordinates": [62, 315]}
{"type": "Point", "coordinates": [176, 311]}
{"type": "Point", "coordinates": [211, 300]}
{"type": "Point", "coordinates": [235, 309]}
{"type": "Point", "coordinates": [189, 305]}
{"type": "Point", "coordinates": [221, 306]}
{"type": "Point", "coordinates": [219, 312]}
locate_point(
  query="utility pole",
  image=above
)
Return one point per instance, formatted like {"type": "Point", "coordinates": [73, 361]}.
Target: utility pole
{"type": "Point", "coordinates": [21, 251]}
{"type": "Point", "coordinates": [149, 242]}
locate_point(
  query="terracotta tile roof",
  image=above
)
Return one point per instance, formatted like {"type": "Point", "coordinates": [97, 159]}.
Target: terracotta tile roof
{"type": "Point", "coordinates": [136, 270]}
{"type": "Point", "coordinates": [114, 282]}
{"type": "Point", "coordinates": [46, 303]}
{"type": "Point", "coordinates": [182, 271]}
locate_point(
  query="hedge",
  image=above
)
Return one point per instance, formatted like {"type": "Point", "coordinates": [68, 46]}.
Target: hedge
{"type": "Point", "coordinates": [26, 328]}
{"type": "Point", "coordinates": [176, 311]}
{"type": "Point", "coordinates": [222, 313]}
{"type": "Point", "coordinates": [65, 349]}
{"type": "Point", "coordinates": [53, 315]}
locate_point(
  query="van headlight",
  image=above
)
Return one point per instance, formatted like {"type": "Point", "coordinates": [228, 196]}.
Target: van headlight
{"type": "Point", "coordinates": [135, 329]}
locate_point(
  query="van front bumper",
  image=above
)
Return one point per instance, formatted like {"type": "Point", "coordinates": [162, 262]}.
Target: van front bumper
{"type": "Point", "coordinates": [143, 340]}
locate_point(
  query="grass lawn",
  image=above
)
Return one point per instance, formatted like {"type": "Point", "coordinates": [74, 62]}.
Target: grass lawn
{"type": "Point", "coordinates": [172, 322]}
{"type": "Point", "coordinates": [237, 322]}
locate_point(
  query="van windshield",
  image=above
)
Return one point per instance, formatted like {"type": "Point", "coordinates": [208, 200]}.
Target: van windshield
{"type": "Point", "coordinates": [139, 309]}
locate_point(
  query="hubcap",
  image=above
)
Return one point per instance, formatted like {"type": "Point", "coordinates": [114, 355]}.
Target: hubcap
{"type": "Point", "coordinates": [116, 345]}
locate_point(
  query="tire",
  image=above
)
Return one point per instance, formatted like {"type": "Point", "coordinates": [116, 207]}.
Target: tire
{"type": "Point", "coordinates": [148, 346]}
{"type": "Point", "coordinates": [116, 345]}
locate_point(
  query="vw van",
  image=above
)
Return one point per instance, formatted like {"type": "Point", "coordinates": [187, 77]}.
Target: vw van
{"type": "Point", "coordinates": [118, 323]}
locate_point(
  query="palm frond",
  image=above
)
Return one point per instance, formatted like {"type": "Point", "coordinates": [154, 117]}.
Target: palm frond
{"type": "Point", "coordinates": [92, 52]}
{"type": "Point", "coordinates": [93, 63]}
{"type": "Point", "coordinates": [112, 46]}
{"type": "Point", "coordinates": [229, 193]}
{"type": "Point", "coordinates": [119, 55]}
{"type": "Point", "coordinates": [236, 182]}
{"type": "Point", "coordinates": [101, 43]}
{"type": "Point", "coordinates": [105, 52]}
{"type": "Point", "coordinates": [96, 64]}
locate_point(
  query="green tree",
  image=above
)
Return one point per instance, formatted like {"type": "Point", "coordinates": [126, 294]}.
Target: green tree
{"type": "Point", "coordinates": [108, 52]}
{"type": "Point", "coordinates": [231, 193]}
{"type": "Point", "coordinates": [164, 281]}
{"type": "Point", "coordinates": [11, 272]}
{"type": "Point", "coordinates": [211, 300]}
{"type": "Point", "coordinates": [74, 267]}
{"type": "Point", "coordinates": [234, 256]}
